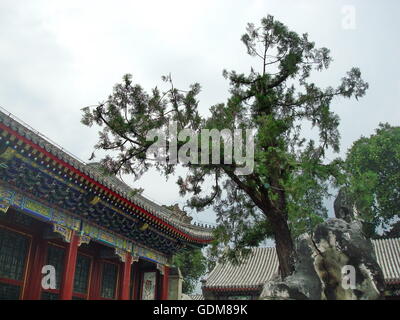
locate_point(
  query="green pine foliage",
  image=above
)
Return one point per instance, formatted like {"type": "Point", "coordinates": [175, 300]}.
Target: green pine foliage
{"type": "Point", "coordinates": [283, 195]}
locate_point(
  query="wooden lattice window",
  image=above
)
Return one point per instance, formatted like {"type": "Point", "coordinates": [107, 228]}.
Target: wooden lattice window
{"type": "Point", "coordinates": [46, 295]}
{"type": "Point", "coordinates": [109, 281]}
{"type": "Point", "coordinates": [55, 258]}
{"type": "Point", "coordinates": [9, 291]}
{"type": "Point", "coordinates": [14, 249]}
{"type": "Point", "coordinates": [82, 275]}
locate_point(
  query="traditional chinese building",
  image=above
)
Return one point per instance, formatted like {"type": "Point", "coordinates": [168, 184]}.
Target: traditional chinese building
{"type": "Point", "coordinates": [59, 215]}
{"type": "Point", "coordinates": [387, 252]}
{"type": "Point", "coordinates": [242, 281]}
{"type": "Point", "coordinates": [246, 280]}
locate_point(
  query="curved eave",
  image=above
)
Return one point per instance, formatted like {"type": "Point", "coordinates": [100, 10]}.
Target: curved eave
{"type": "Point", "coordinates": [132, 206]}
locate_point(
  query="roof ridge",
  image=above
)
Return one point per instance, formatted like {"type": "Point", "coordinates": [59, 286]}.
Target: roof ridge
{"type": "Point", "coordinates": [385, 239]}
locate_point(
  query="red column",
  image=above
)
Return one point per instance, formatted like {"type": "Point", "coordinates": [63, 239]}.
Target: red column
{"type": "Point", "coordinates": [126, 277]}
{"type": "Point", "coordinates": [67, 283]}
{"type": "Point", "coordinates": [136, 275]}
{"type": "Point", "coordinates": [95, 280]}
{"type": "Point", "coordinates": [35, 275]}
{"type": "Point", "coordinates": [165, 282]}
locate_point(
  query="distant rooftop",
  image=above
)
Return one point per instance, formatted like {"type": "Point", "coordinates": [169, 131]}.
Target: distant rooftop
{"type": "Point", "coordinates": [196, 296]}
{"type": "Point", "coordinates": [263, 264]}
{"type": "Point", "coordinates": [387, 253]}
{"type": "Point", "coordinates": [258, 268]}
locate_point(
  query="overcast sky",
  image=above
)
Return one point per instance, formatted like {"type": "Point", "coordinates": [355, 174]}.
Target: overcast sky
{"type": "Point", "coordinates": [57, 57]}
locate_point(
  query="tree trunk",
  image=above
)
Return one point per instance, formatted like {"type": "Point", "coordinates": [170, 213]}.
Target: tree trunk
{"type": "Point", "coordinates": [283, 243]}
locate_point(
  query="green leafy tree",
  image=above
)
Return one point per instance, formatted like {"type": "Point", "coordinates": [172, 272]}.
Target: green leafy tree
{"type": "Point", "coordinates": [283, 194]}
{"type": "Point", "coordinates": [193, 265]}
{"type": "Point", "coordinates": [373, 167]}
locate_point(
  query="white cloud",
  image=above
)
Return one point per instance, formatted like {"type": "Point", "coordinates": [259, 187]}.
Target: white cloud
{"type": "Point", "coordinates": [59, 56]}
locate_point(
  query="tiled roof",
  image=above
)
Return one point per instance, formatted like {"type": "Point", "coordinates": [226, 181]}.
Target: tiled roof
{"type": "Point", "coordinates": [262, 265]}
{"type": "Point", "coordinates": [112, 183]}
{"type": "Point", "coordinates": [259, 267]}
{"type": "Point", "coordinates": [387, 253]}
{"type": "Point", "coordinates": [196, 296]}
{"type": "Point", "coordinates": [160, 211]}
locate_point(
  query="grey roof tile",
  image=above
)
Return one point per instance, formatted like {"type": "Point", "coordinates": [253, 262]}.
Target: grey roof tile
{"type": "Point", "coordinates": [387, 253]}
{"type": "Point", "coordinates": [263, 264]}
{"type": "Point", "coordinates": [196, 296]}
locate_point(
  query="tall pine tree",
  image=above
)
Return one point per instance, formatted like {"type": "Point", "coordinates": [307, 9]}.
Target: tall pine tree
{"type": "Point", "coordinates": [283, 194]}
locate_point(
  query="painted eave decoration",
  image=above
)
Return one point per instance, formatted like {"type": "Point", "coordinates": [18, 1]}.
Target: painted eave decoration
{"type": "Point", "coordinates": [33, 168]}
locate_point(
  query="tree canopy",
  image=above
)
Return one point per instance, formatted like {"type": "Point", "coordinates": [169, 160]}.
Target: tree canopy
{"type": "Point", "coordinates": [193, 265]}
{"type": "Point", "coordinates": [373, 168]}
{"type": "Point", "coordinates": [284, 192]}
